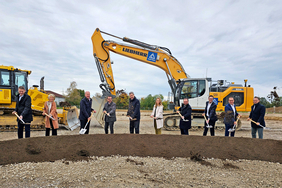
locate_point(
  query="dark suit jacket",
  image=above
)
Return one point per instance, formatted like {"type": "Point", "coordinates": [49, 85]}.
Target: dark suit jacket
{"type": "Point", "coordinates": [111, 109]}
{"type": "Point", "coordinates": [257, 115]}
{"type": "Point", "coordinates": [134, 108]}
{"type": "Point", "coordinates": [186, 112]}
{"type": "Point", "coordinates": [229, 117]}
{"type": "Point", "coordinates": [23, 108]}
{"type": "Point", "coordinates": [85, 109]}
{"type": "Point", "coordinates": [211, 112]}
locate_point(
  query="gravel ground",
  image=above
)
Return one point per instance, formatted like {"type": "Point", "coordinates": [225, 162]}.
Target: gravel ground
{"type": "Point", "coordinates": [118, 171]}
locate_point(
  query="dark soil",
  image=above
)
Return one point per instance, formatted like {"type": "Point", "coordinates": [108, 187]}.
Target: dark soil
{"type": "Point", "coordinates": [79, 147]}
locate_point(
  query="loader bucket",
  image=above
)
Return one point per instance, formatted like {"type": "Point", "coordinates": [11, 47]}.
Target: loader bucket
{"type": "Point", "coordinates": [98, 105]}
{"type": "Point", "coordinates": [72, 118]}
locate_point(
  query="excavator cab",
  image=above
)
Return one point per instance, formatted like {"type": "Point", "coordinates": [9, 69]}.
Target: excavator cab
{"type": "Point", "coordinates": [10, 80]}
{"type": "Point", "coordinates": [197, 90]}
{"type": "Point", "coordinates": [194, 89]}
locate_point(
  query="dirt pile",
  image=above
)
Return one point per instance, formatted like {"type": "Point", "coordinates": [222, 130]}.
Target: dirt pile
{"type": "Point", "coordinates": [79, 147]}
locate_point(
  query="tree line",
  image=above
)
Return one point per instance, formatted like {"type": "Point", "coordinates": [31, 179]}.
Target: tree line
{"type": "Point", "coordinates": [74, 96]}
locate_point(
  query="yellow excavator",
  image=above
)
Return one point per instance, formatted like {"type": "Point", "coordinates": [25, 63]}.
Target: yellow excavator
{"type": "Point", "coordinates": [10, 79]}
{"type": "Point", "coordinates": [196, 90]}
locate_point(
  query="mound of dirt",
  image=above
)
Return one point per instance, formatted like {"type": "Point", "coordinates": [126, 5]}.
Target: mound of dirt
{"type": "Point", "coordinates": [80, 147]}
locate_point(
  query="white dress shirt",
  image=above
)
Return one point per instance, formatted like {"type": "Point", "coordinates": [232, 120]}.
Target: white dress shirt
{"type": "Point", "coordinates": [208, 108]}
{"type": "Point", "coordinates": [233, 108]}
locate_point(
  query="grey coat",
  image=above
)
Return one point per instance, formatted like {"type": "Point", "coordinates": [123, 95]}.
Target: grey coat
{"type": "Point", "coordinates": [111, 109]}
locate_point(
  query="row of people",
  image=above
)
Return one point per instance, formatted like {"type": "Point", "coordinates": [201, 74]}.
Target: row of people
{"type": "Point", "coordinates": [23, 108]}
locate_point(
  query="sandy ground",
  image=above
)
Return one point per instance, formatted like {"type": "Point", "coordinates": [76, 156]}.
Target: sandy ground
{"type": "Point", "coordinates": [121, 126]}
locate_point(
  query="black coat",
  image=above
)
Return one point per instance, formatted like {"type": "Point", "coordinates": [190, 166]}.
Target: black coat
{"type": "Point", "coordinates": [212, 111]}
{"type": "Point", "coordinates": [134, 108]}
{"type": "Point", "coordinates": [23, 108]}
{"type": "Point", "coordinates": [257, 115]}
{"type": "Point", "coordinates": [85, 108]}
{"type": "Point", "coordinates": [111, 109]}
{"type": "Point", "coordinates": [185, 110]}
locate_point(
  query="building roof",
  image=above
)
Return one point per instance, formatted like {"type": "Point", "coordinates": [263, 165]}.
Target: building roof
{"type": "Point", "coordinates": [54, 93]}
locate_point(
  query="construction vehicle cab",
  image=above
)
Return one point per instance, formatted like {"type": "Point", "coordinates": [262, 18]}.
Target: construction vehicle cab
{"type": "Point", "coordinates": [10, 80]}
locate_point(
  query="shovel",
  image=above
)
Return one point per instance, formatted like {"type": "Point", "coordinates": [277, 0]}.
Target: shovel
{"type": "Point", "coordinates": [208, 126]}
{"type": "Point", "coordinates": [233, 128]}
{"type": "Point", "coordinates": [50, 116]}
{"type": "Point", "coordinates": [183, 117]}
{"type": "Point", "coordinates": [267, 128]}
{"type": "Point", "coordinates": [21, 119]}
{"type": "Point", "coordinates": [82, 131]}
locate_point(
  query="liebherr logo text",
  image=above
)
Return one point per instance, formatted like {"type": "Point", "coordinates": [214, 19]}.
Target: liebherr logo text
{"type": "Point", "coordinates": [134, 52]}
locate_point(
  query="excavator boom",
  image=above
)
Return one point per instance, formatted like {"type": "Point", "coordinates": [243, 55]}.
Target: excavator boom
{"type": "Point", "coordinates": [158, 56]}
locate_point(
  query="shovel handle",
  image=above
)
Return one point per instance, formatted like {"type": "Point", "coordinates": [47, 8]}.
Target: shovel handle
{"type": "Point", "coordinates": [179, 114]}
{"type": "Point", "coordinates": [49, 116]}
{"type": "Point", "coordinates": [19, 118]}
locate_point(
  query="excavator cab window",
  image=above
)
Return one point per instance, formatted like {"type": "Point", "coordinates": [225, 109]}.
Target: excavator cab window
{"type": "Point", "coordinates": [20, 80]}
{"type": "Point", "coordinates": [5, 78]}
{"type": "Point", "coordinates": [193, 89]}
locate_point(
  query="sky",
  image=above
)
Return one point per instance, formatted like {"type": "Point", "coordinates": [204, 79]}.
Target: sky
{"type": "Point", "coordinates": [228, 40]}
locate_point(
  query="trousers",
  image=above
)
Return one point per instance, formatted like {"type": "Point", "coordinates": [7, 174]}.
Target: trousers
{"type": "Point", "coordinates": [259, 130]}
{"type": "Point", "coordinates": [134, 125]}
{"type": "Point", "coordinates": [20, 129]}
{"type": "Point", "coordinates": [184, 131]}
{"type": "Point", "coordinates": [111, 125]}
{"type": "Point", "coordinates": [54, 131]}
{"type": "Point", "coordinates": [212, 123]}
{"type": "Point", "coordinates": [157, 131]}
{"type": "Point", "coordinates": [82, 125]}
{"type": "Point", "coordinates": [227, 127]}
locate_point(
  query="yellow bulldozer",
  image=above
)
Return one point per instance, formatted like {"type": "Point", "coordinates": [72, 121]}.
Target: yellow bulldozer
{"type": "Point", "coordinates": [10, 79]}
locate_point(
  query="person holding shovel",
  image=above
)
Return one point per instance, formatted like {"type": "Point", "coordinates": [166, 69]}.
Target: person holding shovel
{"type": "Point", "coordinates": [185, 121]}
{"type": "Point", "coordinates": [230, 117]}
{"type": "Point", "coordinates": [24, 112]}
{"type": "Point", "coordinates": [157, 114]}
{"type": "Point", "coordinates": [133, 113]}
{"type": "Point", "coordinates": [85, 111]}
{"type": "Point", "coordinates": [257, 115]}
{"type": "Point", "coordinates": [51, 119]}
{"type": "Point", "coordinates": [110, 115]}
{"type": "Point", "coordinates": [210, 116]}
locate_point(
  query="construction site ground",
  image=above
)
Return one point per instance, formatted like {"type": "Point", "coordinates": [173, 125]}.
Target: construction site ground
{"type": "Point", "coordinates": [145, 160]}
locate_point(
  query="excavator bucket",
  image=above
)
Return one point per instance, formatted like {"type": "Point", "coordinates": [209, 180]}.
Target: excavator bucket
{"type": "Point", "coordinates": [98, 105]}
{"type": "Point", "coordinates": [72, 118]}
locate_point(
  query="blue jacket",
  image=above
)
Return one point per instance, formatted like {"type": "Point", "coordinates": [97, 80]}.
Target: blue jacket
{"type": "Point", "coordinates": [257, 115]}
{"type": "Point", "coordinates": [229, 117]}
{"type": "Point", "coordinates": [186, 112]}
{"type": "Point", "coordinates": [85, 109]}
{"type": "Point", "coordinates": [23, 108]}
{"type": "Point", "coordinates": [211, 112]}
{"type": "Point", "coordinates": [134, 108]}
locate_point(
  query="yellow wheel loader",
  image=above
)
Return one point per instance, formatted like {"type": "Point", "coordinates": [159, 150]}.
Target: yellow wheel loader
{"type": "Point", "coordinates": [10, 79]}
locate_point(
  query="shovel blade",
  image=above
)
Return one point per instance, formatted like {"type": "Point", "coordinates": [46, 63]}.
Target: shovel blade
{"type": "Point", "coordinates": [82, 131]}
{"type": "Point", "coordinates": [72, 118]}
{"type": "Point", "coordinates": [98, 104]}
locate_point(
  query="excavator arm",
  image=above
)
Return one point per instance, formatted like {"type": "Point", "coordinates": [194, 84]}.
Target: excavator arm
{"type": "Point", "coordinates": [154, 55]}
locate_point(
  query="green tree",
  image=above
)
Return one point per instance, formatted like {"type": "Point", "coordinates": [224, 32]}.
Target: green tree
{"type": "Point", "coordinates": [121, 100]}
{"type": "Point", "coordinates": [73, 95]}
{"type": "Point", "coordinates": [81, 92]}
{"type": "Point", "coordinates": [148, 102]}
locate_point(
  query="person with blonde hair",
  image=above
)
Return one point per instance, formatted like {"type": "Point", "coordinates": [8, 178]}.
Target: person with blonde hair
{"type": "Point", "coordinates": [157, 114]}
{"type": "Point", "coordinates": [51, 119]}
